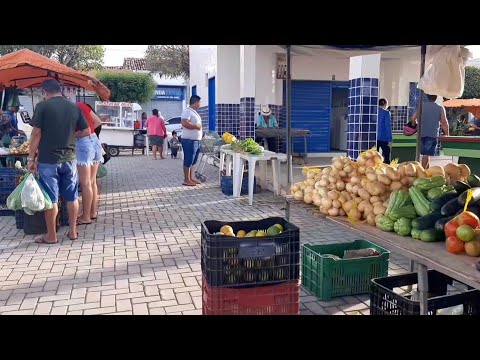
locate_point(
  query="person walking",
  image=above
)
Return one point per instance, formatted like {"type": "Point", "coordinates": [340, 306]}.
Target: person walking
{"type": "Point", "coordinates": [384, 133]}
{"type": "Point", "coordinates": [174, 144]}
{"type": "Point", "coordinates": [433, 117]}
{"type": "Point", "coordinates": [191, 136]}
{"type": "Point", "coordinates": [89, 155]}
{"type": "Point", "coordinates": [156, 132]}
{"type": "Point", "coordinates": [55, 122]}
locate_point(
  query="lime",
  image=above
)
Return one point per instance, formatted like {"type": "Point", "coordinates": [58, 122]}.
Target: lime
{"type": "Point", "coordinates": [465, 233]}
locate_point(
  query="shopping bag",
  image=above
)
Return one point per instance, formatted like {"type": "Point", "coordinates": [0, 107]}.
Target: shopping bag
{"type": "Point", "coordinates": [102, 171]}
{"type": "Point", "coordinates": [32, 195]}
{"type": "Point", "coordinates": [14, 200]}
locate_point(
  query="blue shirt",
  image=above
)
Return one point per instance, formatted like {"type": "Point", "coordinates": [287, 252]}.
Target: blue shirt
{"type": "Point", "coordinates": [384, 125]}
{"type": "Point", "coordinates": [271, 123]}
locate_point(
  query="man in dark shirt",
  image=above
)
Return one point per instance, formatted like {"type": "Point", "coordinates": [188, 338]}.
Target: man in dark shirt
{"type": "Point", "coordinates": [54, 122]}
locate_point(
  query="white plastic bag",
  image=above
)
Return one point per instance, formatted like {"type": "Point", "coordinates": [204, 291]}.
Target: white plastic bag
{"type": "Point", "coordinates": [32, 196]}
{"type": "Point", "coordinates": [444, 70]}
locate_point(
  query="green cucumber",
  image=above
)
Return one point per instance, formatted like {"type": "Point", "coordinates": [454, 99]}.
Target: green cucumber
{"type": "Point", "coordinates": [427, 221]}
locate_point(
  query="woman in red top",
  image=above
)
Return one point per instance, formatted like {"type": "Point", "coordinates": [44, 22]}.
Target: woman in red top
{"type": "Point", "coordinates": [88, 151]}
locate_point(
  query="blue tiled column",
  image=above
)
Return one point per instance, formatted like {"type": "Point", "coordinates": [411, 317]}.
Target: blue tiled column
{"type": "Point", "coordinates": [227, 116]}
{"type": "Point", "coordinates": [203, 112]}
{"type": "Point", "coordinates": [363, 104]}
{"type": "Point", "coordinates": [247, 118]}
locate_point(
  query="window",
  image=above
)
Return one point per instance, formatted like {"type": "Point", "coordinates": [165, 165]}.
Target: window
{"type": "Point", "coordinates": [174, 121]}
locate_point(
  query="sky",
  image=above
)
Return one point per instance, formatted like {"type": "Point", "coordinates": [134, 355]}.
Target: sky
{"type": "Point", "coordinates": [114, 54]}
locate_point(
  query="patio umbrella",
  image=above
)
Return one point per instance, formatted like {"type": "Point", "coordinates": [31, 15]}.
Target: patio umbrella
{"type": "Point", "coordinates": [470, 105]}
{"type": "Point", "coordinates": [27, 69]}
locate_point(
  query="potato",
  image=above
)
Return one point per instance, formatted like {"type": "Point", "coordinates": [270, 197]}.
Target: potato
{"type": "Point", "coordinates": [371, 219]}
{"type": "Point", "coordinates": [364, 194]}
{"type": "Point", "coordinates": [336, 204]}
{"type": "Point", "coordinates": [396, 185]}
{"type": "Point", "coordinates": [410, 170]}
{"type": "Point", "coordinates": [434, 171]}
{"type": "Point", "coordinates": [348, 205]}
{"type": "Point", "coordinates": [333, 211]}
{"type": "Point", "coordinates": [384, 179]}
{"type": "Point", "coordinates": [327, 203]}
{"type": "Point", "coordinates": [374, 199]}
{"type": "Point", "coordinates": [379, 209]}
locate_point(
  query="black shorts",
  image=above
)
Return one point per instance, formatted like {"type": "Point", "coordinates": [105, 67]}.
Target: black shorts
{"type": "Point", "coordinates": [155, 140]}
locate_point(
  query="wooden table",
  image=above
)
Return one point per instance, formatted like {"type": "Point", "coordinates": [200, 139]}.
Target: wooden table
{"type": "Point", "coordinates": [426, 255]}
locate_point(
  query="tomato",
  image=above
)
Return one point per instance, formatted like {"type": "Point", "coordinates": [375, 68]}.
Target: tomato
{"type": "Point", "coordinates": [455, 245]}
{"type": "Point", "coordinates": [451, 228]}
{"type": "Point", "coordinates": [468, 218]}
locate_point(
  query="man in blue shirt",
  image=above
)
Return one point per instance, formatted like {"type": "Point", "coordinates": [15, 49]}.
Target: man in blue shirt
{"type": "Point", "coordinates": [267, 120]}
{"type": "Point", "coordinates": [384, 134]}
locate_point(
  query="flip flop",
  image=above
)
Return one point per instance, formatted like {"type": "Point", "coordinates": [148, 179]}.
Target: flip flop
{"type": "Point", "coordinates": [72, 239]}
{"type": "Point", "coordinates": [186, 184]}
{"type": "Point", "coordinates": [94, 218]}
{"type": "Point", "coordinates": [43, 241]}
{"type": "Point", "coordinates": [80, 222]}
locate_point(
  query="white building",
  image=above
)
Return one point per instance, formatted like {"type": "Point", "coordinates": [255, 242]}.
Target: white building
{"type": "Point", "coordinates": [327, 84]}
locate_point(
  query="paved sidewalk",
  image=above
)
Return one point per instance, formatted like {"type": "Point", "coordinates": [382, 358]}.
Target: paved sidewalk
{"type": "Point", "coordinates": [142, 256]}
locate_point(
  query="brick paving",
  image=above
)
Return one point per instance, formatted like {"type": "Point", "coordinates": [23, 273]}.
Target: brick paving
{"type": "Point", "coordinates": [142, 255]}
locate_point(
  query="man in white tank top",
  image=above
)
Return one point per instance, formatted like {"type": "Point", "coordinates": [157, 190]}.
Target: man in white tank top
{"type": "Point", "coordinates": [191, 136]}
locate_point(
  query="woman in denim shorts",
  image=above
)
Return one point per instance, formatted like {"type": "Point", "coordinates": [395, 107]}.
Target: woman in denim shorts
{"type": "Point", "coordinates": [88, 151]}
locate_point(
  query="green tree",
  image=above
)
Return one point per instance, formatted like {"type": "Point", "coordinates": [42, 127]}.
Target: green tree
{"type": "Point", "coordinates": [128, 86]}
{"type": "Point", "coordinates": [168, 60]}
{"type": "Point", "coordinates": [81, 57]}
{"type": "Point", "coordinates": [472, 83]}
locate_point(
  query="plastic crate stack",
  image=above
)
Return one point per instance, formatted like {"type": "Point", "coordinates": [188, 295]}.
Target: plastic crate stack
{"type": "Point", "coordinates": [8, 179]}
{"type": "Point", "coordinates": [251, 275]}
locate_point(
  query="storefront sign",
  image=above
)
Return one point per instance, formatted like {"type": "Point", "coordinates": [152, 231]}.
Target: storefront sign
{"type": "Point", "coordinates": [281, 66]}
{"type": "Point", "coordinates": [113, 104]}
{"type": "Point", "coordinates": [169, 93]}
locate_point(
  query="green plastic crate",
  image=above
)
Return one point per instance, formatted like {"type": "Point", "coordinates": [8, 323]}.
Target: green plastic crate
{"type": "Point", "coordinates": [328, 278]}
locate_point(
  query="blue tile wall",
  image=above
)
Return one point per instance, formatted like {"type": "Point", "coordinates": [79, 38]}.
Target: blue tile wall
{"type": "Point", "coordinates": [399, 117]}
{"type": "Point", "coordinates": [228, 118]}
{"type": "Point", "coordinates": [203, 112]}
{"type": "Point", "coordinates": [413, 96]}
{"type": "Point", "coordinates": [362, 115]}
{"type": "Point", "coordinates": [247, 118]}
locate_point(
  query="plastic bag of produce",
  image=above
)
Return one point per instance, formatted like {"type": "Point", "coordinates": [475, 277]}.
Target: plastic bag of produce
{"type": "Point", "coordinates": [14, 200]}
{"type": "Point", "coordinates": [444, 70]}
{"type": "Point", "coordinates": [32, 196]}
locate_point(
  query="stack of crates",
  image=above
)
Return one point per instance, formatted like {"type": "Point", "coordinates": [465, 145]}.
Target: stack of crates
{"type": "Point", "coordinates": [8, 178]}
{"type": "Point", "coordinates": [251, 275]}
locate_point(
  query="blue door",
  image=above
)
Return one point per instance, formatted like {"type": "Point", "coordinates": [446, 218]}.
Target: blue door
{"type": "Point", "coordinates": [311, 106]}
{"type": "Point", "coordinates": [194, 90]}
{"type": "Point", "coordinates": [211, 104]}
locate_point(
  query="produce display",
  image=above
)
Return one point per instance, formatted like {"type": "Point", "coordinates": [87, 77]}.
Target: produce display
{"type": "Point", "coordinates": [227, 230]}
{"type": "Point", "coordinates": [247, 146]}
{"type": "Point", "coordinates": [436, 204]}
{"type": "Point", "coordinates": [21, 149]}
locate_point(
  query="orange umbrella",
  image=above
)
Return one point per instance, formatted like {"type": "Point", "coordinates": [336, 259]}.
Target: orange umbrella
{"type": "Point", "coordinates": [27, 69]}
{"type": "Point", "coordinates": [470, 105]}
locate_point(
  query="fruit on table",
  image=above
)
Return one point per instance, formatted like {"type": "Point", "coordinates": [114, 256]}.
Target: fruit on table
{"type": "Point", "coordinates": [279, 226]}
{"type": "Point", "coordinates": [426, 184]}
{"type": "Point", "coordinates": [454, 245]}
{"type": "Point", "coordinates": [252, 233]}
{"type": "Point", "coordinates": [228, 138]}
{"type": "Point", "coordinates": [403, 226]}
{"type": "Point", "coordinates": [451, 228]}
{"type": "Point", "coordinates": [219, 233]}
{"type": "Point", "coordinates": [407, 211]}
{"type": "Point", "coordinates": [431, 235]}
{"type": "Point", "coordinates": [227, 230]}
{"type": "Point", "coordinates": [472, 248]}
{"type": "Point", "coordinates": [261, 234]}
{"type": "Point", "coordinates": [465, 233]}
{"type": "Point", "coordinates": [422, 205]}
{"type": "Point", "coordinates": [241, 233]}
{"type": "Point", "coordinates": [468, 218]}
{"type": "Point", "coordinates": [451, 207]}
{"type": "Point", "coordinates": [384, 223]}
{"type": "Point", "coordinates": [426, 222]}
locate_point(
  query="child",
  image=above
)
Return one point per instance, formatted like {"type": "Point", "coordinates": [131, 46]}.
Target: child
{"type": "Point", "coordinates": [174, 144]}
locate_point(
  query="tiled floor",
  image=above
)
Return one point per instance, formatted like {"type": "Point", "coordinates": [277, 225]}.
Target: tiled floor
{"type": "Point", "coordinates": [142, 256]}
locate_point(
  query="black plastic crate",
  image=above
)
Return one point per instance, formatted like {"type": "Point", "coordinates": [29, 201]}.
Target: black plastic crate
{"type": "Point", "coordinates": [232, 261]}
{"type": "Point", "coordinates": [226, 183]}
{"type": "Point", "coordinates": [19, 219]}
{"type": "Point", "coordinates": [385, 301]}
{"type": "Point", "coordinates": [4, 211]}
{"type": "Point", "coordinates": [63, 212]}
{"type": "Point", "coordinates": [8, 179]}
{"type": "Point", "coordinates": [35, 224]}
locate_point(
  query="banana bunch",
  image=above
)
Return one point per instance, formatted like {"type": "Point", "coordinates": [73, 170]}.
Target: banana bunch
{"type": "Point", "coordinates": [228, 138]}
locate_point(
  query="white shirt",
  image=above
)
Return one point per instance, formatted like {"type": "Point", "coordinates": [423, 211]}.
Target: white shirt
{"type": "Point", "coordinates": [194, 118]}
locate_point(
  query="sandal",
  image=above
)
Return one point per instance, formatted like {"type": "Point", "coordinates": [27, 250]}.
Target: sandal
{"type": "Point", "coordinates": [72, 239]}
{"type": "Point", "coordinates": [43, 241]}
{"type": "Point", "coordinates": [189, 184]}
{"type": "Point", "coordinates": [80, 222]}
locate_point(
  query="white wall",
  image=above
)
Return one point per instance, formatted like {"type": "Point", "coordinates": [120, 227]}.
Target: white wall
{"type": "Point", "coordinates": [395, 78]}
{"type": "Point", "coordinates": [268, 90]}
{"type": "Point", "coordinates": [228, 74]}
{"type": "Point", "coordinates": [203, 65]}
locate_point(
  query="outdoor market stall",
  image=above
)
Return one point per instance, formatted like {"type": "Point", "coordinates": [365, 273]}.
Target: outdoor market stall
{"type": "Point", "coordinates": [363, 190]}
